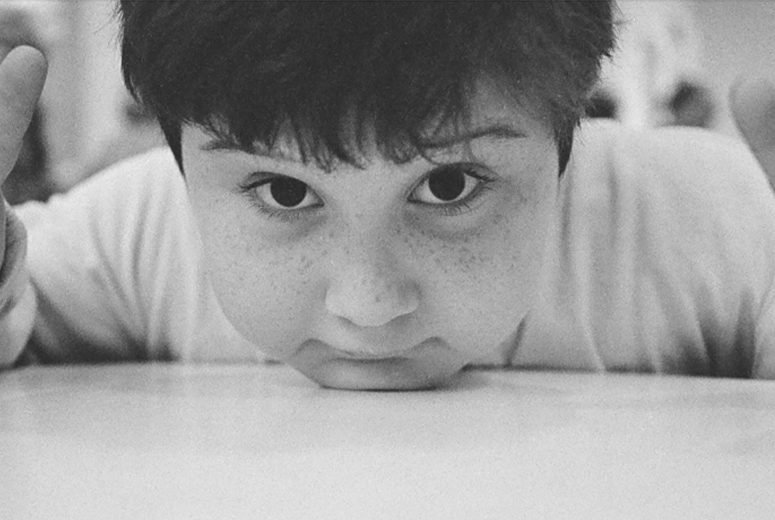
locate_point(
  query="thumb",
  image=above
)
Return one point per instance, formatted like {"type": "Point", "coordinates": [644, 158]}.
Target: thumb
{"type": "Point", "coordinates": [753, 108]}
{"type": "Point", "coordinates": [22, 75]}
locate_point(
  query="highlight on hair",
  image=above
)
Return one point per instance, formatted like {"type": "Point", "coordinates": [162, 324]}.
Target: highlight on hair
{"type": "Point", "coordinates": [250, 71]}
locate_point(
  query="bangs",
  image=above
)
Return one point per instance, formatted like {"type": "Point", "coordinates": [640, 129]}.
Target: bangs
{"type": "Point", "coordinates": [335, 97]}
{"type": "Point", "coordinates": [339, 75]}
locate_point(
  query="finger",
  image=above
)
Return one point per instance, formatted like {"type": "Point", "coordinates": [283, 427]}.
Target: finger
{"type": "Point", "coordinates": [22, 75]}
{"type": "Point", "coordinates": [753, 108]}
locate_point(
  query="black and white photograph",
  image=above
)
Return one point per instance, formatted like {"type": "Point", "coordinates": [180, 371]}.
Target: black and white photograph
{"type": "Point", "coordinates": [387, 259]}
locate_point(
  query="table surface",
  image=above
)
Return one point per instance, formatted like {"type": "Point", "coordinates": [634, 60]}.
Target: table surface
{"type": "Point", "coordinates": [219, 441]}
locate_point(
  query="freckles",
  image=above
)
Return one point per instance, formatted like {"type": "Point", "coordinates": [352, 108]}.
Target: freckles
{"type": "Point", "coordinates": [305, 263]}
{"type": "Point", "coordinates": [305, 271]}
{"type": "Point", "coordinates": [471, 258]}
{"type": "Point", "coordinates": [472, 262]}
{"type": "Point", "coordinates": [464, 257]}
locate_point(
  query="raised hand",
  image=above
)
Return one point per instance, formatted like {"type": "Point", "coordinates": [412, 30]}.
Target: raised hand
{"type": "Point", "coordinates": [22, 75]}
{"type": "Point", "coordinates": [753, 107]}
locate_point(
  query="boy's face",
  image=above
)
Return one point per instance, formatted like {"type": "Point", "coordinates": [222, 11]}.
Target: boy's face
{"type": "Point", "coordinates": [393, 276]}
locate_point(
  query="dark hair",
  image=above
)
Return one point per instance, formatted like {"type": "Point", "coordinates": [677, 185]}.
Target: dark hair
{"type": "Point", "coordinates": [250, 70]}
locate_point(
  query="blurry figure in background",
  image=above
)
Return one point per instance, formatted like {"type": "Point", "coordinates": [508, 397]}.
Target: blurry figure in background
{"type": "Point", "coordinates": [30, 178]}
{"type": "Point", "coordinates": [692, 105]}
{"type": "Point", "coordinates": [655, 78]}
{"type": "Point", "coordinates": [139, 132]}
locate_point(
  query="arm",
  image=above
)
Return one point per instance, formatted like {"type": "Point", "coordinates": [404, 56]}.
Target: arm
{"type": "Point", "coordinates": [22, 75]}
{"type": "Point", "coordinates": [103, 260]}
{"type": "Point", "coordinates": [72, 276]}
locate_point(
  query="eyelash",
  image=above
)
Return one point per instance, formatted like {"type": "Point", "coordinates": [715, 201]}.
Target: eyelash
{"type": "Point", "coordinates": [466, 204]}
{"type": "Point", "coordinates": [248, 189]}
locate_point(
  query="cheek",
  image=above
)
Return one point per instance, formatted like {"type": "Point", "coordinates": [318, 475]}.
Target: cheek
{"type": "Point", "coordinates": [482, 287]}
{"type": "Point", "coordinates": [266, 291]}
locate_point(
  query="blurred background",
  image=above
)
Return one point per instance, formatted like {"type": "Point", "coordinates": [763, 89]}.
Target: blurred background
{"type": "Point", "coordinates": [675, 63]}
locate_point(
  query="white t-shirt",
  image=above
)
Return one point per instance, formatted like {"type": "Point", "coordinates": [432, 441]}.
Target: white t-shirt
{"type": "Point", "coordinates": [663, 260]}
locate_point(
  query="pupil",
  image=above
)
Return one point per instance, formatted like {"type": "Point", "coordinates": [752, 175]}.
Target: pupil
{"type": "Point", "coordinates": [288, 192]}
{"type": "Point", "coordinates": [447, 185]}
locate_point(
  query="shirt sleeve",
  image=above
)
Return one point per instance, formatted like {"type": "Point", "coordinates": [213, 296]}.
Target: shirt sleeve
{"type": "Point", "coordinates": [91, 258]}
{"type": "Point", "coordinates": [666, 257]}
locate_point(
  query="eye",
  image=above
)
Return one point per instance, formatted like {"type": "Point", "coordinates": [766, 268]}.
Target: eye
{"type": "Point", "coordinates": [284, 193]}
{"type": "Point", "coordinates": [448, 185]}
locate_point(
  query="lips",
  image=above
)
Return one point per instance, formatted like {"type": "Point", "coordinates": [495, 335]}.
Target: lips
{"type": "Point", "coordinates": [428, 364]}
{"type": "Point", "coordinates": [356, 352]}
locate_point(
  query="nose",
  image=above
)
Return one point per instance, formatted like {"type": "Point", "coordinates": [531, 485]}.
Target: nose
{"type": "Point", "coordinates": [368, 286]}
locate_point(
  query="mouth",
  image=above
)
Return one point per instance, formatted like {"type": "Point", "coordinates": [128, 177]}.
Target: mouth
{"type": "Point", "coordinates": [425, 365]}
{"type": "Point", "coordinates": [363, 353]}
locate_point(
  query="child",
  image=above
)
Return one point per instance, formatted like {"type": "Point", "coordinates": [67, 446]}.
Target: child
{"type": "Point", "coordinates": [381, 194]}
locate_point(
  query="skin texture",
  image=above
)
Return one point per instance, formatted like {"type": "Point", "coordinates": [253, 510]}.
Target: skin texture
{"type": "Point", "coordinates": [376, 283]}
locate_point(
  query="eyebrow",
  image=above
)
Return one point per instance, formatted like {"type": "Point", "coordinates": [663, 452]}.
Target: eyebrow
{"type": "Point", "coordinates": [222, 144]}
{"type": "Point", "coordinates": [496, 131]}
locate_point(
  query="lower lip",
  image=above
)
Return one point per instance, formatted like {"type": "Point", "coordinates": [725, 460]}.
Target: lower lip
{"type": "Point", "coordinates": [417, 368]}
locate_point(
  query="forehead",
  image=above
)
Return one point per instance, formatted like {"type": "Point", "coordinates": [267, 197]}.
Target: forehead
{"type": "Point", "coordinates": [493, 114]}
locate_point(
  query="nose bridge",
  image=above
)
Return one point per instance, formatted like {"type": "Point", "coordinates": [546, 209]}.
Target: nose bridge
{"type": "Point", "coordinates": [370, 249]}
{"type": "Point", "coordinates": [370, 283]}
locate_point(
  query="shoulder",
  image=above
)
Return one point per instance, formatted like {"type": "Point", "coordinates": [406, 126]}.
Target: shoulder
{"type": "Point", "coordinates": [698, 182]}
{"type": "Point", "coordinates": [127, 239]}
{"type": "Point", "coordinates": [141, 199]}
{"type": "Point", "coordinates": [140, 177]}
{"type": "Point", "coordinates": [684, 156]}
{"type": "Point", "coordinates": [131, 184]}
{"type": "Point", "coordinates": [678, 227]}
